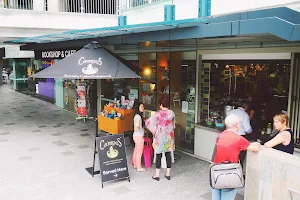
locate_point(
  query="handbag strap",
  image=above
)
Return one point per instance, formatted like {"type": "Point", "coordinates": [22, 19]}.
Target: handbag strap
{"type": "Point", "coordinates": [215, 148]}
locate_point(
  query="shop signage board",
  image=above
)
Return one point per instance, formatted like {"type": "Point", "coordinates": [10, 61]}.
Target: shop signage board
{"type": "Point", "coordinates": [112, 156]}
{"type": "Point", "coordinates": [54, 54]}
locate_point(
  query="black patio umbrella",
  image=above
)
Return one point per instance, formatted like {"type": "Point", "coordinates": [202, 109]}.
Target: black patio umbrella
{"type": "Point", "coordinates": [91, 62]}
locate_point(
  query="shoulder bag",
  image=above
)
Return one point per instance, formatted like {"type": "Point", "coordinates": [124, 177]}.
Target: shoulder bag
{"type": "Point", "coordinates": [225, 175]}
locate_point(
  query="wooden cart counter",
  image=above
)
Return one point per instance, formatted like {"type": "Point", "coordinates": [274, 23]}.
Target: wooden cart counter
{"type": "Point", "coordinates": [114, 126]}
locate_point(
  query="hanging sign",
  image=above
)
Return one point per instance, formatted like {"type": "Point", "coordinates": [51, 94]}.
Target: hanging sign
{"type": "Point", "coordinates": [112, 157]}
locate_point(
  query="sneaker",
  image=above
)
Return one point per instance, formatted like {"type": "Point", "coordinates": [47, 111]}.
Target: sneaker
{"type": "Point", "coordinates": [140, 170]}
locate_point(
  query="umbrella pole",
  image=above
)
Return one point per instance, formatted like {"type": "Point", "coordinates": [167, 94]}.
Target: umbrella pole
{"type": "Point", "coordinates": [96, 124]}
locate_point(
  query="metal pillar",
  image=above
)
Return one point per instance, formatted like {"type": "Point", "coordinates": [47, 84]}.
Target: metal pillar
{"type": "Point", "coordinates": [169, 12]}
{"type": "Point", "coordinates": [204, 8]}
{"type": "Point", "coordinates": [122, 20]}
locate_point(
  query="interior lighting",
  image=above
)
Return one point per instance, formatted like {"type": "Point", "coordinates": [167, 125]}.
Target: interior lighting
{"type": "Point", "coordinates": [147, 44]}
{"type": "Point", "coordinates": [147, 71]}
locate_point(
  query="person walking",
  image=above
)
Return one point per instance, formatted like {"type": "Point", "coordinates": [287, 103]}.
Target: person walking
{"type": "Point", "coordinates": [228, 149]}
{"type": "Point", "coordinates": [138, 137]}
{"type": "Point", "coordinates": [162, 125]}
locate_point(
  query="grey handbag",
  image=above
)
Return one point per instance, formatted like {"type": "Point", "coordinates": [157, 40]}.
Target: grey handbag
{"type": "Point", "coordinates": [225, 175]}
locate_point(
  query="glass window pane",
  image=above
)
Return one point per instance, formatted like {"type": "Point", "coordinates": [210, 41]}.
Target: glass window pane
{"type": "Point", "coordinates": [148, 83]}
{"type": "Point", "coordinates": [182, 97]}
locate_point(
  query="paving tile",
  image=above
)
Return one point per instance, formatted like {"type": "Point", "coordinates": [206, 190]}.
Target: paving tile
{"type": "Point", "coordinates": [67, 153]}
{"type": "Point", "coordinates": [83, 146]}
{"type": "Point", "coordinates": [22, 158]}
{"type": "Point", "coordinates": [121, 190]}
{"type": "Point", "coordinates": [208, 195]}
{"type": "Point", "coordinates": [71, 124]}
{"type": "Point", "coordinates": [34, 149]}
{"type": "Point", "coordinates": [3, 140]}
{"type": "Point", "coordinates": [27, 116]}
{"type": "Point", "coordinates": [36, 131]}
{"type": "Point", "coordinates": [42, 126]}
{"type": "Point", "coordinates": [5, 133]}
{"type": "Point", "coordinates": [10, 123]}
{"type": "Point", "coordinates": [84, 135]}
{"type": "Point", "coordinates": [6, 113]}
{"type": "Point", "coordinates": [56, 134]}
{"type": "Point", "coordinates": [60, 143]}
{"type": "Point", "coordinates": [55, 126]}
{"type": "Point", "coordinates": [59, 124]}
{"type": "Point", "coordinates": [83, 130]}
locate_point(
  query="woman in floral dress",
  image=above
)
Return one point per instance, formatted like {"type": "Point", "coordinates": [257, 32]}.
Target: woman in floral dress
{"type": "Point", "coordinates": [162, 125]}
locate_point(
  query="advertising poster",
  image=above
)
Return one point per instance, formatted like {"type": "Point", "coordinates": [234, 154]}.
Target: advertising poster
{"type": "Point", "coordinates": [112, 157]}
{"type": "Point", "coordinates": [81, 99]}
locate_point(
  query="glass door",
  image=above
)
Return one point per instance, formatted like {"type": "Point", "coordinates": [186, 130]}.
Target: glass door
{"type": "Point", "coordinates": [182, 97]}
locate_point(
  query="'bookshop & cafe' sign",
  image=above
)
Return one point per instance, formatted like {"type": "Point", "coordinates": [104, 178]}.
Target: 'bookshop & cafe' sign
{"type": "Point", "coordinates": [54, 54]}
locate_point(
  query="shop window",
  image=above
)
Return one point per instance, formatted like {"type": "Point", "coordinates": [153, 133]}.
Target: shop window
{"type": "Point", "coordinates": [148, 82]}
{"type": "Point", "coordinates": [224, 84]}
{"type": "Point", "coordinates": [115, 88]}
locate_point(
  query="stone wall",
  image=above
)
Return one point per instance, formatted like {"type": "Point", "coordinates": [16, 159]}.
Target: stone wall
{"type": "Point", "coordinates": [272, 175]}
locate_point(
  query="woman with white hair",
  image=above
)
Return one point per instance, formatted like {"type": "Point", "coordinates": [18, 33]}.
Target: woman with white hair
{"type": "Point", "coordinates": [230, 144]}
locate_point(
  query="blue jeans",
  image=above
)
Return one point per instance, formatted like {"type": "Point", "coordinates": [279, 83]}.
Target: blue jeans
{"type": "Point", "coordinates": [223, 194]}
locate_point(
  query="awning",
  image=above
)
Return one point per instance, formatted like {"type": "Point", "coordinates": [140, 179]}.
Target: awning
{"type": "Point", "coordinates": [283, 23]}
{"type": "Point", "coordinates": [91, 62]}
{"type": "Point", "coordinates": [110, 31]}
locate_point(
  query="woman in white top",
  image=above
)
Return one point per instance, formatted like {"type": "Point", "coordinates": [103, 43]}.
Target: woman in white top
{"type": "Point", "coordinates": [138, 136]}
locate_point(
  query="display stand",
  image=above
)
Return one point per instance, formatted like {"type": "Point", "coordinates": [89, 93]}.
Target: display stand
{"type": "Point", "coordinates": [81, 101]}
{"type": "Point", "coordinates": [118, 126]}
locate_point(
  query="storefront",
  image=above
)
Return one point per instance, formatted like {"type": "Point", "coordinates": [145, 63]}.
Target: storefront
{"type": "Point", "coordinates": [203, 67]}
{"type": "Point", "coordinates": [60, 92]}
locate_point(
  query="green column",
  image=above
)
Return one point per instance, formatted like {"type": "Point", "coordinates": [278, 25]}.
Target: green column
{"type": "Point", "coordinates": [14, 75]}
{"type": "Point", "coordinates": [59, 92]}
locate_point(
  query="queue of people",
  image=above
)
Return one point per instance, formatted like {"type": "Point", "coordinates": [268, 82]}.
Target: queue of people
{"type": "Point", "coordinates": [162, 125]}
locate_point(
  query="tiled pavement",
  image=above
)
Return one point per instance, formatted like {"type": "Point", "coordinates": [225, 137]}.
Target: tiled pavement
{"type": "Point", "coordinates": [44, 154]}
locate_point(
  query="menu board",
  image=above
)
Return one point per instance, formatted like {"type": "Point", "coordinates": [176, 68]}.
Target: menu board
{"type": "Point", "coordinates": [112, 157]}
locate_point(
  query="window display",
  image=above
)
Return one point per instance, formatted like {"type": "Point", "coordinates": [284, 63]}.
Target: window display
{"type": "Point", "coordinates": [224, 84]}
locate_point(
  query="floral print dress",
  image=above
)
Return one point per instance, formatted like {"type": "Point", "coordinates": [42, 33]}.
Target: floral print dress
{"type": "Point", "coordinates": [162, 126]}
